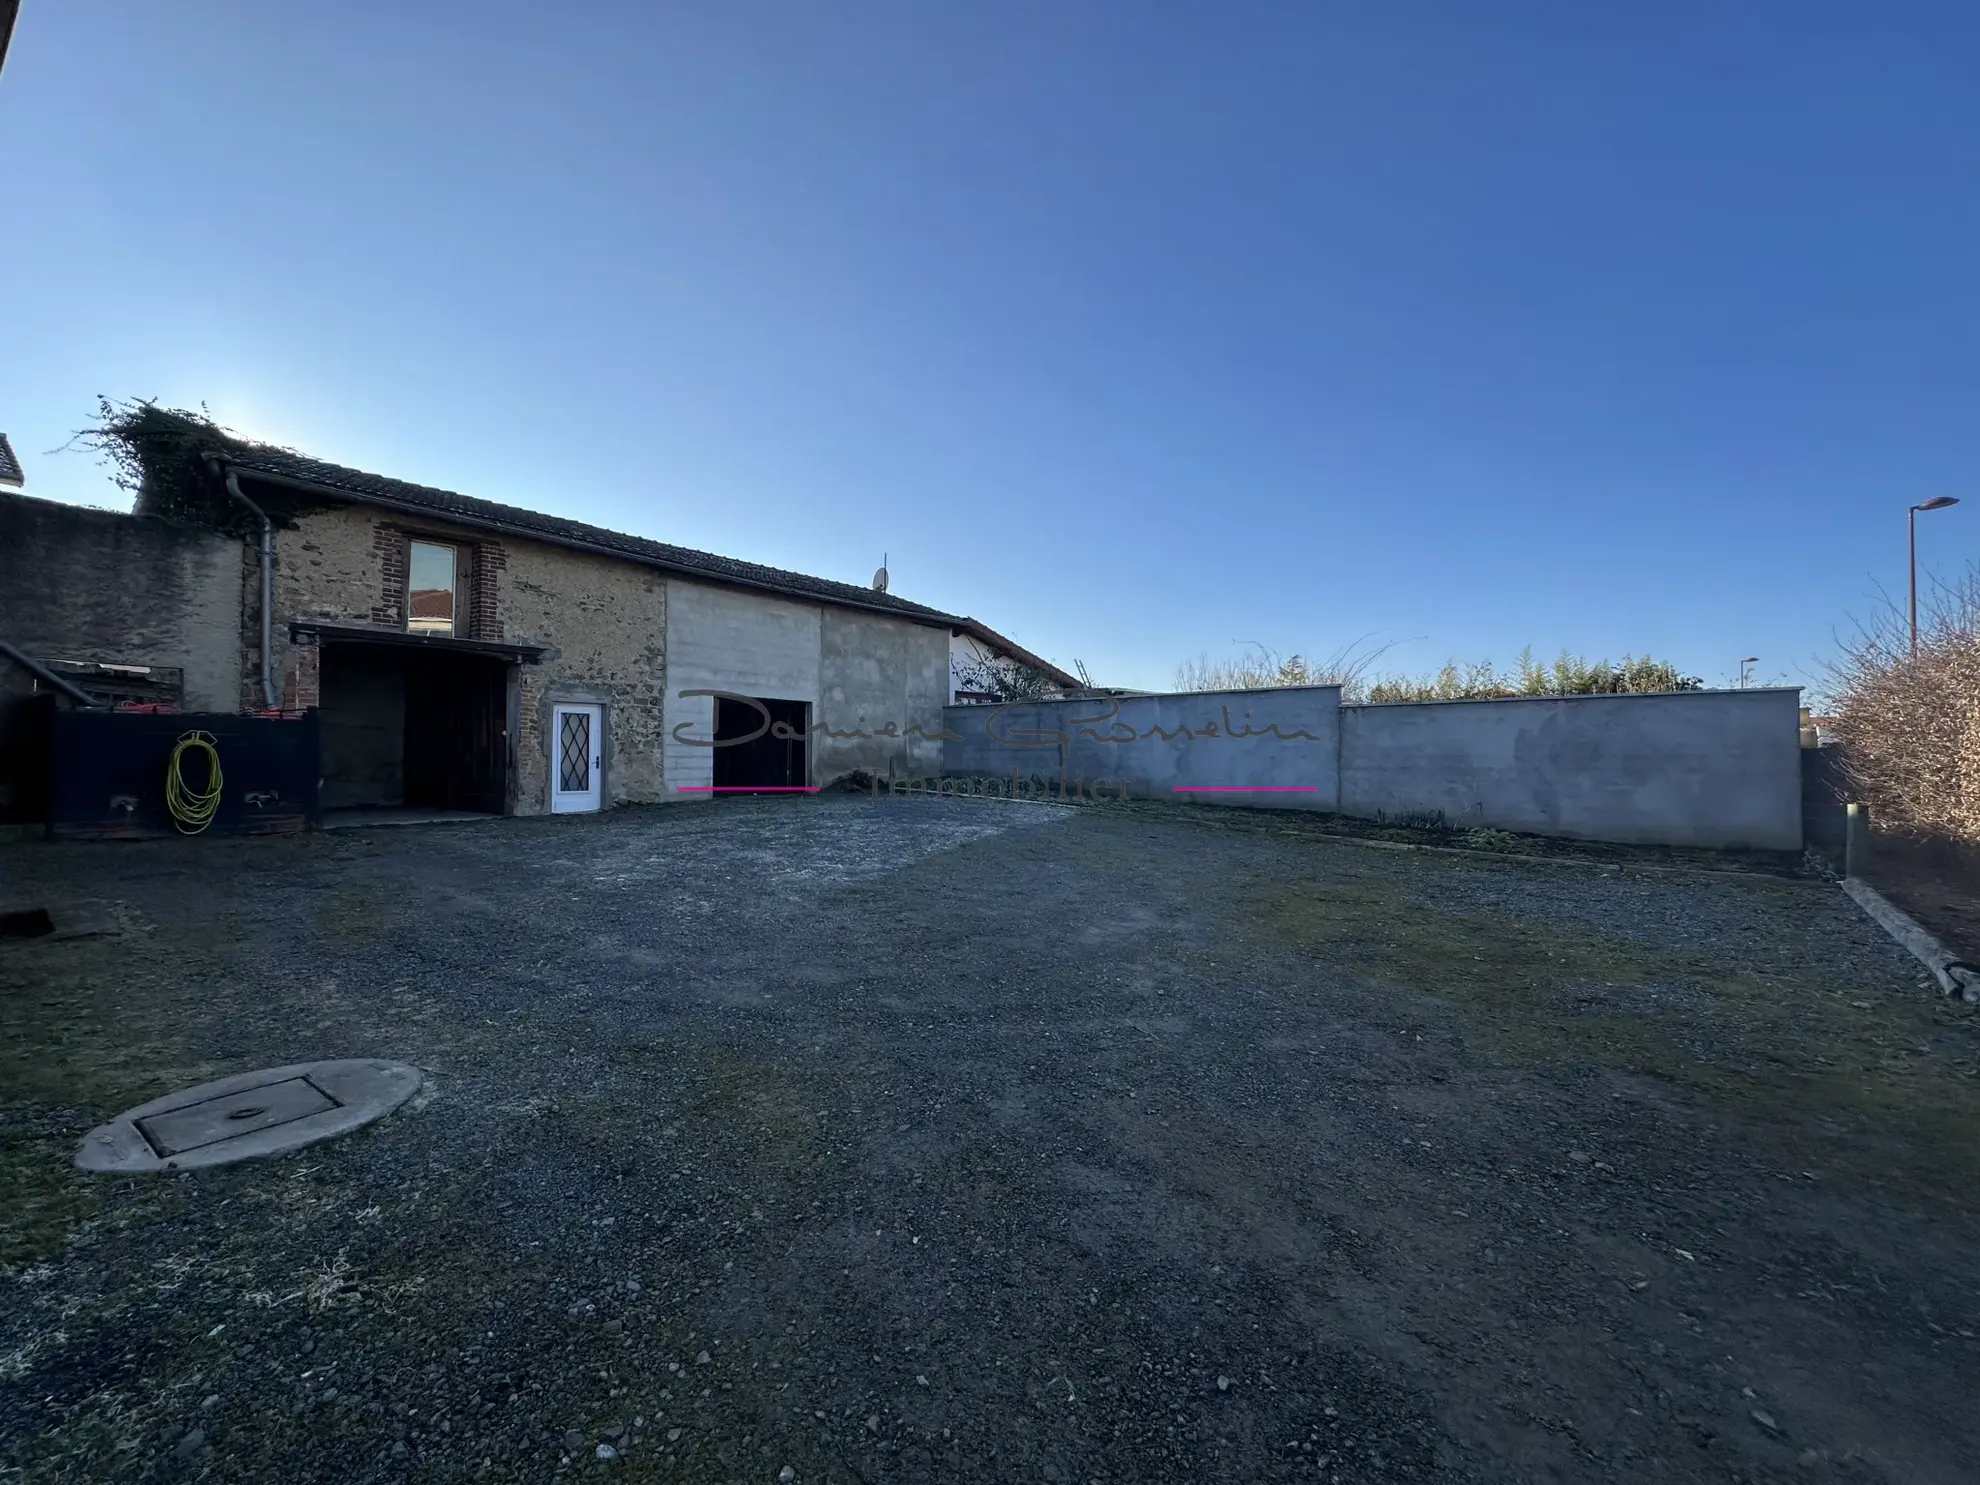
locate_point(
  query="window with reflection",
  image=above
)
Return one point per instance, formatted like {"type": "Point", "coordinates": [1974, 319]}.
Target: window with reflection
{"type": "Point", "coordinates": [432, 599]}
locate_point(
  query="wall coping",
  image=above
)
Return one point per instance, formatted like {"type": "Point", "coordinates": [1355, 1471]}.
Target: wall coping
{"type": "Point", "coordinates": [1579, 696]}
{"type": "Point", "coordinates": [1155, 696]}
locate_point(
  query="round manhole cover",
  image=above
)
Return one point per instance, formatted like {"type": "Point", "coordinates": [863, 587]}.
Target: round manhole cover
{"type": "Point", "coordinates": [249, 1114]}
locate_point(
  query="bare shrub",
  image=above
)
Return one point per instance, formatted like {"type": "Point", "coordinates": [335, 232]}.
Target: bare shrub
{"type": "Point", "coordinates": [1909, 722]}
{"type": "Point", "coordinates": [1004, 679]}
{"type": "Point", "coordinates": [1354, 672]}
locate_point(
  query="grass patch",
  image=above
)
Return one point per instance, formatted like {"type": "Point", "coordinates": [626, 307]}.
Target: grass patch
{"type": "Point", "coordinates": [73, 1053]}
{"type": "Point", "coordinates": [759, 1103]}
{"type": "Point", "coordinates": [1798, 1048]}
{"type": "Point", "coordinates": [1433, 830]}
{"type": "Point", "coordinates": [41, 1198]}
{"type": "Point", "coordinates": [357, 913]}
{"type": "Point", "coordinates": [767, 1113]}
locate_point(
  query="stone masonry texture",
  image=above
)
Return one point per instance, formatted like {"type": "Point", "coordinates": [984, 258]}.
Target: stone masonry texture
{"type": "Point", "coordinates": [602, 622]}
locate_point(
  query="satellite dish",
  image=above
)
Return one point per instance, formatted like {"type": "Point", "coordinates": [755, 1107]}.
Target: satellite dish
{"type": "Point", "coordinates": [880, 577]}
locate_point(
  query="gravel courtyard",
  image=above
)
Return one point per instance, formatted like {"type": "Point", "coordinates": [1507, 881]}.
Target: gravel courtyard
{"type": "Point", "coordinates": [863, 1140]}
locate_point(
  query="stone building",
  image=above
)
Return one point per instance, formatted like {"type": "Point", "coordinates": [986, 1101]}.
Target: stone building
{"type": "Point", "coordinates": [468, 656]}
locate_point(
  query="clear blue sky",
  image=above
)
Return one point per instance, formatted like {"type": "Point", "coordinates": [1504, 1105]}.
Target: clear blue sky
{"type": "Point", "coordinates": [1135, 330]}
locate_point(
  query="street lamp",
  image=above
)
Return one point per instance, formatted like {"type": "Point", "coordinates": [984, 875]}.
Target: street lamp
{"type": "Point", "coordinates": [1937, 502]}
{"type": "Point", "coordinates": [1749, 660]}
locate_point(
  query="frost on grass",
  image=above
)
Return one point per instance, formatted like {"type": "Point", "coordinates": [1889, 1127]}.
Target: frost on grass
{"type": "Point", "coordinates": [18, 1362]}
{"type": "Point", "coordinates": [331, 1283]}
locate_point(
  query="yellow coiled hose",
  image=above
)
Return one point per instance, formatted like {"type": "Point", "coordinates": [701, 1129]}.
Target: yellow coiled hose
{"type": "Point", "coordinates": [193, 809]}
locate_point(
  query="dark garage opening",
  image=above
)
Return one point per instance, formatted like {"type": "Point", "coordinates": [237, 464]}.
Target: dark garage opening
{"type": "Point", "coordinates": [767, 760]}
{"type": "Point", "coordinates": [413, 729]}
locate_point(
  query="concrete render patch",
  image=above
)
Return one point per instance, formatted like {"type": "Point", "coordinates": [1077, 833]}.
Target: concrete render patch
{"type": "Point", "coordinates": [249, 1115]}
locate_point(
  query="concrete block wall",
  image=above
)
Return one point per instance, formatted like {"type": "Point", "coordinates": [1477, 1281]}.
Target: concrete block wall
{"type": "Point", "coordinates": [99, 585]}
{"type": "Point", "coordinates": [1715, 769]}
{"type": "Point", "coordinates": [1156, 743]}
{"type": "Point", "coordinates": [884, 682]}
{"type": "Point", "coordinates": [728, 639]}
{"type": "Point", "coordinates": [872, 679]}
{"type": "Point", "coordinates": [1718, 769]}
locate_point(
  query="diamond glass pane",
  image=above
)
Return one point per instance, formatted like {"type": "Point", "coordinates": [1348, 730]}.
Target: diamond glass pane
{"type": "Point", "coordinates": [574, 754]}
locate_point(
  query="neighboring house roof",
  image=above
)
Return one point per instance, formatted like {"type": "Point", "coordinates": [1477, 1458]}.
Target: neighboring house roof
{"type": "Point", "coordinates": [10, 467]}
{"type": "Point", "coordinates": [286, 467]}
{"type": "Point", "coordinates": [431, 603]}
{"type": "Point", "coordinates": [978, 630]}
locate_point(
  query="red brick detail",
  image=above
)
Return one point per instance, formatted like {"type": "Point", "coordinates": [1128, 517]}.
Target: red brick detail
{"type": "Point", "coordinates": [302, 687]}
{"type": "Point", "coordinates": [484, 607]}
{"type": "Point", "coordinates": [393, 557]}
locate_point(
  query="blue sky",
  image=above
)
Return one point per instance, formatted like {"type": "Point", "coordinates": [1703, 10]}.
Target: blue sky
{"type": "Point", "coordinates": [1135, 330]}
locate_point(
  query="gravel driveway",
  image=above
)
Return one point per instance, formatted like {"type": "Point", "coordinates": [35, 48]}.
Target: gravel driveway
{"type": "Point", "coordinates": [871, 1140]}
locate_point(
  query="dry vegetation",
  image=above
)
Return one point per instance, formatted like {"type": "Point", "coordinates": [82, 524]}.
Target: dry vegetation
{"type": "Point", "coordinates": [1354, 671]}
{"type": "Point", "coordinates": [1910, 721]}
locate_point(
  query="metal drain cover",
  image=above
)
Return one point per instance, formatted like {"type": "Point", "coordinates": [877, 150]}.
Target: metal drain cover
{"type": "Point", "coordinates": [249, 1114]}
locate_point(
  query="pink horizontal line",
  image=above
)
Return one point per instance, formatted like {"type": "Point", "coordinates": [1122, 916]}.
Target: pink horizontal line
{"type": "Point", "coordinates": [746, 788]}
{"type": "Point", "coordinates": [1245, 788]}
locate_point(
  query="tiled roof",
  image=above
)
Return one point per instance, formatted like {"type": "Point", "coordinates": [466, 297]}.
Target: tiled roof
{"type": "Point", "coordinates": [283, 465]}
{"type": "Point", "coordinates": [10, 467]}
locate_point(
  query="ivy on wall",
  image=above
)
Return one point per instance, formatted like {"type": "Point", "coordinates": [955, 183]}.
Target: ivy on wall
{"type": "Point", "coordinates": [167, 459]}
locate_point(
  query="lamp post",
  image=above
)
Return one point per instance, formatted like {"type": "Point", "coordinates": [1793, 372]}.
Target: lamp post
{"type": "Point", "coordinates": [1937, 502]}
{"type": "Point", "coordinates": [1749, 660]}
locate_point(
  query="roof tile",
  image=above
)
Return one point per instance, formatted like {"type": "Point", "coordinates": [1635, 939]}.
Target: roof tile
{"type": "Point", "coordinates": [251, 459]}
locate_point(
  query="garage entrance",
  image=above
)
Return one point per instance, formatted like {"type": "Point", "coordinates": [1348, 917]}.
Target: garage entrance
{"type": "Point", "coordinates": [414, 729]}
{"type": "Point", "coordinates": [764, 746]}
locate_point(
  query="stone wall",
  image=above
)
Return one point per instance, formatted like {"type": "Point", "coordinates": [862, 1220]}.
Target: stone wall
{"type": "Point", "coordinates": [605, 623]}
{"type": "Point", "coordinates": [602, 622]}
{"type": "Point", "coordinates": [100, 585]}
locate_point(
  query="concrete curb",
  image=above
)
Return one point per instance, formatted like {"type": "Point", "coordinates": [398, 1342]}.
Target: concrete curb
{"type": "Point", "coordinates": [1955, 977]}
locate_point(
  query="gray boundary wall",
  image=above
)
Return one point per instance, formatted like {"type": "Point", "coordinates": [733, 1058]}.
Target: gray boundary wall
{"type": "Point", "coordinates": [1715, 769]}
{"type": "Point", "coordinates": [1156, 743]}
{"type": "Point", "coordinates": [77, 583]}
{"type": "Point", "coordinates": [1719, 769]}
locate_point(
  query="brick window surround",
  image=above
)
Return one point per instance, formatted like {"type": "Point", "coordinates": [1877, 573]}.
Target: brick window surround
{"type": "Point", "coordinates": [480, 565]}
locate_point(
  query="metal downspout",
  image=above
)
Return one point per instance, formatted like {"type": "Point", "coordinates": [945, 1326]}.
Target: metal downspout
{"type": "Point", "coordinates": [267, 590]}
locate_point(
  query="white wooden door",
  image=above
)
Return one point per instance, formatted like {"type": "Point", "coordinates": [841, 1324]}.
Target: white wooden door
{"type": "Point", "coordinates": [577, 749]}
